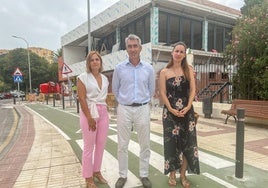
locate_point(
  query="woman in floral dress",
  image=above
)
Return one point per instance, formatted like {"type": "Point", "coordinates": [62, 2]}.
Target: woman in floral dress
{"type": "Point", "coordinates": [177, 91]}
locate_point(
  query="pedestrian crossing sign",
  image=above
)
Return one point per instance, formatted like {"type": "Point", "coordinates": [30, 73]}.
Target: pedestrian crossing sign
{"type": "Point", "coordinates": [17, 78]}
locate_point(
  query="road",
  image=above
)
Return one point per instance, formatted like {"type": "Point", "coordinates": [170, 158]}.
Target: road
{"type": "Point", "coordinates": [8, 125]}
{"type": "Point", "coordinates": [216, 171]}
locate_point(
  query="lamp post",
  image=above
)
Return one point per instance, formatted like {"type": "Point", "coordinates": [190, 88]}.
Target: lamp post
{"type": "Point", "coordinates": [29, 63]}
{"type": "Point", "coordinates": [89, 29]}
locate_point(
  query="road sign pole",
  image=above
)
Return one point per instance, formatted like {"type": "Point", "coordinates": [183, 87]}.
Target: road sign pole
{"type": "Point", "coordinates": [18, 86]}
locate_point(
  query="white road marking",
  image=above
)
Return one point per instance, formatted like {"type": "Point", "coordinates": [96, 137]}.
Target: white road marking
{"type": "Point", "coordinates": [66, 110]}
{"type": "Point", "coordinates": [218, 180]}
{"type": "Point", "coordinates": [156, 160]}
{"type": "Point", "coordinates": [56, 127]}
{"type": "Point", "coordinates": [205, 158]}
{"type": "Point", "coordinates": [214, 161]}
{"type": "Point", "coordinates": [78, 131]}
{"type": "Point", "coordinates": [110, 168]}
{"type": "Point", "coordinates": [110, 163]}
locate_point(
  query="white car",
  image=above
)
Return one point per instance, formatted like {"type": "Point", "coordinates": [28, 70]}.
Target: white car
{"type": "Point", "coordinates": [17, 94]}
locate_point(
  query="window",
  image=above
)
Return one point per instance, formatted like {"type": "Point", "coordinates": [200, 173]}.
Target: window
{"type": "Point", "coordinates": [123, 35]}
{"type": "Point", "coordinates": [218, 37]}
{"type": "Point", "coordinates": [186, 32]}
{"type": "Point", "coordinates": [131, 28]}
{"type": "Point", "coordinates": [163, 27]}
{"type": "Point", "coordinates": [174, 23]}
{"type": "Point", "coordinates": [139, 27]}
{"type": "Point", "coordinates": [197, 35]}
{"type": "Point", "coordinates": [211, 37]}
{"type": "Point", "coordinates": [174, 28]}
{"type": "Point", "coordinates": [147, 29]}
{"type": "Point", "coordinates": [212, 75]}
{"type": "Point", "coordinates": [227, 36]}
{"type": "Point", "coordinates": [224, 76]}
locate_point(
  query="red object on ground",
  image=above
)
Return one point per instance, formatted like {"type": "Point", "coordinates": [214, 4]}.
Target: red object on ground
{"type": "Point", "coordinates": [49, 87]}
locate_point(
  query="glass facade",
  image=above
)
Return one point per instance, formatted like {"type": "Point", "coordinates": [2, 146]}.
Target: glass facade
{"type": "Point", "coordinates": [173, 28]}
{"type": "Point", "coordinates": [218, 37]}
{"type": "Point", "coordinates": [140, 27]}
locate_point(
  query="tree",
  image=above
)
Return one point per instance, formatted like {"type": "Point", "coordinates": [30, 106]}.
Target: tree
{"type": "Point", "coordinates": [41, 71]}
{"type": "Point", "coordinates": [245, 10]}
{"type": "Point", "coordinates": [58, 53]}
{"type": "Point", "coordinates": [249, 50]}
{"type": "Point", "coordinates": [53, 76]}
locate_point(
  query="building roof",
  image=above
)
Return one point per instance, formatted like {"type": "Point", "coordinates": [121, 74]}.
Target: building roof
{"type": "Point", "coordinates": [217, 6]}
{"type": "Point", "coordinates": [124, 10]}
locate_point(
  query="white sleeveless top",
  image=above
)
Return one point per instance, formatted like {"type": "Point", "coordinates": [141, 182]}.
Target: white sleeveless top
{"type": "Point", "coordinates": [95, 95]}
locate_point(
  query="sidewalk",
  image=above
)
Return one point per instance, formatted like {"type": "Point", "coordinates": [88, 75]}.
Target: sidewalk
{"type": "Point", "coordinates": [42, 157]}
{"type": "Point", "coordinates": [220, 138]}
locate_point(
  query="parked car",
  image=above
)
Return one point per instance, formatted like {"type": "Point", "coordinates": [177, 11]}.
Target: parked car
{"type": "Point", "coordinates": [2, 96]}
{"type": "Point", "coordinates": [18, 94]}
{"type": "Point", "coordinates": [7, 95]}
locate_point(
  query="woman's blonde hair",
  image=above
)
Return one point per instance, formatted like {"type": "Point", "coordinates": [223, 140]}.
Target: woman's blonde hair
{"type": "Point", "coordinates": [184, 63]}
{"type": "Point", "coordinates": [88, 59]}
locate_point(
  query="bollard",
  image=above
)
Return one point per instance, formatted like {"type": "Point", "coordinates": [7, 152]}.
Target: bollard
{"type": "Point", "coordinates": [207, 107]}
{"type": "Point", "coordinates": [63, 104]}
{"type": "Point", "coordinates": [14, 100]}
{"type": "Point", "coordinates": [54, 98]}
{"type": "Point", "coordinates": [77, 105]}
{"type": "Point", "coordinates": [47, 98]}
{"type": "Point", "coordinates": [239, 164]}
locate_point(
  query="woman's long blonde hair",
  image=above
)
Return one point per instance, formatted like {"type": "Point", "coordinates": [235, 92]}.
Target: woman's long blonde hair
{"type": "Point", "coordinates": [184, 63]}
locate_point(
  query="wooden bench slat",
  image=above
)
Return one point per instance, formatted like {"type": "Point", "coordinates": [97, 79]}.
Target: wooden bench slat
{"type": "Point", "coordinates": [253, 108]}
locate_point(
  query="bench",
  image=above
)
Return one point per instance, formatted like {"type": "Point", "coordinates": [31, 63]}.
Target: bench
{"type": "Point", "coordinates": [253, 109]}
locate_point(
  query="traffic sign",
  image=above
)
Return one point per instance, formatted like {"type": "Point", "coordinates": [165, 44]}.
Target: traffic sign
{"type": "Point", "coordinates": [66, 69]}
{"type": "Point", "coordinates": [17, 78]}
{"type": "Point", "coordinates": [17, 72]}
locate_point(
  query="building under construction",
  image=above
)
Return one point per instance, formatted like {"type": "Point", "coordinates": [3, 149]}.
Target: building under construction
{"type": "Point", "coordinates": [204, 26]}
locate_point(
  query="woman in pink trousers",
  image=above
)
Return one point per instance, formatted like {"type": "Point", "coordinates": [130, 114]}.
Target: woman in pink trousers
{"type": "Point", "coordinates": [92, 88]}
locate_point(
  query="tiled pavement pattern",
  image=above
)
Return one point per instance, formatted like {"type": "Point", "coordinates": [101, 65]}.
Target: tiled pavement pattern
{"type": "Point", "coordinates": [220, 138]}
{"type": "Point", "coordinates": [41, 157]}
{"type": "Point", "coordinates": [51, 157]}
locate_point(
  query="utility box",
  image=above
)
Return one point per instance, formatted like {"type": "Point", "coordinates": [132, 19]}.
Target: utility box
{"type": "Point", "coordinates": [207, 107]}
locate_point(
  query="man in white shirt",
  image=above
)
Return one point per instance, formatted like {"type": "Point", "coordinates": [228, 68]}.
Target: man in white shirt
{"type": "Point", "coordinates": [133, 86]}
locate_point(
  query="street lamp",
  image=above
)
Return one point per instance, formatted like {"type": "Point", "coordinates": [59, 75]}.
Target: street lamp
{"type": "Point", "coordinates": [89, 29]}
{"type": "Point", "coordinates": [29, 63]}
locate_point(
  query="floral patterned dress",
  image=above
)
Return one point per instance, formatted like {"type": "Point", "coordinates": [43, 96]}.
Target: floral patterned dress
{"type": "Point", "coordinates": [179, 132]}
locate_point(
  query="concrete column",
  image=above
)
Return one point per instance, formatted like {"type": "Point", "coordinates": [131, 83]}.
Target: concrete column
{"type": "Point", "coordinates": [117, 35]}
{"type": "Point", "coordinates": [205, 35]}
{"type": "Point", "coordinates": [154, 25]}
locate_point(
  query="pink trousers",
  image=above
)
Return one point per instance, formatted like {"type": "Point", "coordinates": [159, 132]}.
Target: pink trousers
{"type": "Point", "coordinates": [94, 142]}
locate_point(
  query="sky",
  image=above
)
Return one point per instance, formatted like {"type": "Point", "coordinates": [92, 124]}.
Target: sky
{"type": "Point", "coordinates": [43, 22]}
